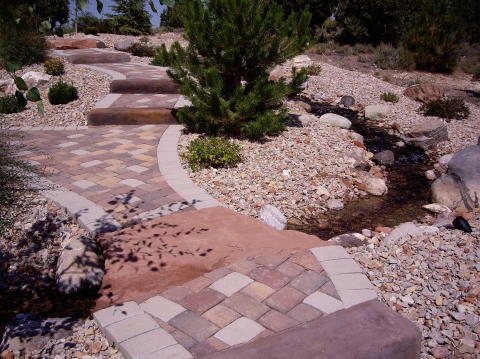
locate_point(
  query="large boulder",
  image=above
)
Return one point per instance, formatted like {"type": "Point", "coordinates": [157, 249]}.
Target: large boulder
{"type": "Point", "coordinates": [36, 79]}
{"type": "Point", "coordinates": [335, 120]}
{"type": "Point", "coordinates": [376, 112]}
{"type": "Point", "coordinates": [72, 44]}
{"type": "Point", "coordinates": [427, 133]}
{"type": "Point", "coordinates": [459, 188]}
{"type": "Point", "coordinates": [425, 92]}
{"type": "Point", "coordinates": [272, 216]}
{"type": "Point", "coordinates": [123, 45]}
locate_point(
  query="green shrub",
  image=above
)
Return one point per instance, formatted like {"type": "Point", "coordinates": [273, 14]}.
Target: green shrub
{"type": "Point", "coordinates": [386, 57]}
{"type": "Point", "coordinates": [26, 48]}
{"type": "Point", "coordinates": [470, 65]}
{"type": "Point", "coordinates": [11, 104]}
{"type": "Point", "coordinates": [364, 59]}
{"type": "Point", "coordinates": [59, 31]}
{"type": "Point", "coordinates": [62, 93]}
{"type": "Point", "coordinates": [325, 48]}
{"type": "Point", "coordinates": [389, 97]}
{"type": "Point", "coordinates": [207, 152]}
{"type": "Point", "coordinates": [127, 30]}
{"type": "Point", "coordinates": [313, 70]}
{"type": "Point", "coordinates": [54, 66]}
{"type": "Point", "coordinates": [90, 31]}
{"type": "Point", "coordinates": [144, 40]}
{"type": "Point", "coordinates": [141, 50]}
{"type": "Point", "coordinates": [449, 108]}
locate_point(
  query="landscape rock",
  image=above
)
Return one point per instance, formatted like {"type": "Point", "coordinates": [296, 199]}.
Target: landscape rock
{"type": "Point", "coordinates": [69, 44]}
{"type": "Point", "coordinates": [462, 224]}
{"type": "Point", "coordinates": [79, 266]}
{"type": "Point", "coordinates": [303, 105]}
{"type": "Point", "coordinates": [123, 45]}
{"type": "Point", "coordinates": [7, 87]}
{"type": "Point", "coordinates": [347, 101]}
{"type": "Point", "coordinates": [425, 92]}
{"type": "Point", "coordinates": [272, 216]}
{"type": "Point", "coordinates": [335, 204]}
{"type": "Point", "coordinates": [376, 112]}
{"type": "Point", "coordinates": [354, 136]}
{"type": "Point", "coordinates": [28, 332]}
{"type": "Point", "coordinates": [358, 159]}
{"type": "Point", "coordinates": [349, 240]}
{"type": "Point", "coordinates": [336, 120]}
{"type": "Point", "coordinates": [427, 133]}
{"type": "Point", "coordinates": [430, 175]}
{"type": "Point", "coordinates": [459, 188]}
{"type": "Point", "coordinates": [407, 230]}
{"type": "Point", "coordinates": [301, 61]}
{"type": "Point", "coordinates": [36, 79]}
{"type": "Point", "coordinates": [375, 186]}
{"type": "Point", "coordinates": [444, 160]}
{"type": "Point", "coordinates": [384, 158]}
{"type": "Point", "coordinates": [437, 208]}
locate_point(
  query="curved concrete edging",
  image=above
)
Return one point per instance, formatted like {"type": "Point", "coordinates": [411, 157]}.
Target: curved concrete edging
{"type": "Point", "coordinates": [171, 169]}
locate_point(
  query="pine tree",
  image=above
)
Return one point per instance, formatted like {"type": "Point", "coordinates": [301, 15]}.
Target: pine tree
{"type": "Point", "coordinates": [224, 71]}
{"type": "Point", "coordinates": [132, 14]}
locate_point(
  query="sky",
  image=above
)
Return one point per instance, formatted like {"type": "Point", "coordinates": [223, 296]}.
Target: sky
{"type": "Point", "coordinates": [92, 8]}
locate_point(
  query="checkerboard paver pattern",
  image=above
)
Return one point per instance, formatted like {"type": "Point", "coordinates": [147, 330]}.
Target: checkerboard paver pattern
{"type": "Point", "coordinates": [115, 167]}
{"type": "Point", "coordinates": [231, 306]}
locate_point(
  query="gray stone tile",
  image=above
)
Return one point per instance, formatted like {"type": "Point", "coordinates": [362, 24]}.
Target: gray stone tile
{"type": "Point", "coordinates": [231, 283]}
{"type": "Point", "coordinates": [240, 331]}
{"type": "Point", "coordinates": [194, 325]}
{"type": "Point", "coordinates": [323, 302]}
{"type": "Point", "coordinates": [117, 313]}
{"type": "Point", "coordinates": [329, 252]}
{"type": "Point", "coordinates": [341, 266]}
{"type": "Point", "coordinates": [147, 343]}
{"type": "Point", "coordinates": [162, 308]}
{"type": "Point", "coordinates": [356, 296]}
{"type": "Point", "coordinates": [132, 182]}
{"type": "Point", "coordinates": [309, 281]}
{"type": "Point", "coordinates": [172, 352]}
{"type": "Point", "coordinates": [351, 281]}
{"type": "Point", "coordinates": [91, 163]}
{"type": "Point", "coordinates": [130, 327]}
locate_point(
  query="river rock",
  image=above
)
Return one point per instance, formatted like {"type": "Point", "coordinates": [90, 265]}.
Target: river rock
{"type": "Point", "coordinates": [384, 158]}
{"type": "Point", "coordinates": [347, 101]}
{"type": "Point", "coordinates": [427, 133]}
{"type": "Point", "coordinates": [444, 160]}
{"type": "Point", "coordinates": [123, 45]}
{"type": "Point", "coordinates": [36, 79]}
{"type": "Point", "coordinates": [425, 92]}
{"type": "Point", "coordinates": [28, 332]}
{"type": "Point", "coordinates": [462, 224]}
{"type": "Point", "coordinates": [406, 230]}
{"type": "Point", "coordinates": [376, 112]}
{"type": "Point", "coordinates": [354, 136]}
{"type": "Point", "coordinates": [335, 204]}
{"type": "Point", "coordinates": [459, 188]}
{"type": "Point", "coordinates": [272, 216]}
{"type": "Point", "coordinates": [79, 266]}
{"type": "Point", "coordinates": [335, 120]}
{"type": "Point", "coordinates": [303, 105]}
{"type": "Point", "coordinates": [430, 175]}
{"type": "Point", "coordinates": [350, 240]}
{"type": "Point", "coordinates": [375, 186]}
{"type": "Point", "coordinates": [437, 208]}
{"type": "Point", "coordinates": [358, 159]}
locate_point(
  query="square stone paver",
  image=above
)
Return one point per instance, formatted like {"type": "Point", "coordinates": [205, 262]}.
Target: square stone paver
{"type": "Point", "coordinates": [80, 152]}
{"type": "Point", "coordinates": [140, 346]}
{"type": "Point", "coordinates": [330, 252]}
{"type": "Point", "coordinates": [177, 294]}
{"type": "Point", "coordinates": [243, 266]}
{"type": "Point", "coordinates": [270, 277]}
{"type": "Point", "coordinates": [91, 163]}
{"type": "Point", "coordinates": [221, 315]}
{"type": "Point", "coordinates": [162, 308]}
{"type": "Point", "coordinates": [304, 313]}
{"type": "Point", "coordinates": [356, 296]}
{"type": "Point", "coordinates": [285, 299]}
{"type": "Point", "coordinates": [137, 169]}
{"type": "Point", "coordinates": [218, 273]}
{"type": "Point", "coordinates": [341, 266]}
{"type": "Point", "coordinates": [258, 290]}
{"type": "Point", "coordinates": [290, 269]}
{"type": "Point", "coordinates": [271, 262]}
{"type": "Point", "coordinates": [246, 305]}
{"type": "Point", "coordinates": [138, 151]}
{"type": "Point", "coordinates": [277, 321]}
{"type": "Point", "coordinates": [117, 313]}
{"type": "Point", "coordinates": [323, 302]}
{"type": "Point", "coordinates": [194, 325]}
{"type": "Point", "coordinates": [172, 352]}
{"type": "Point", "coordinates": [203, 300]}
{"type": "Point", "coordinates": [351, 281]}
{"type": "Point", "coordinates": [309, 281]}
{"type": "Point", "coordinates": [231, 283]}
{"type": "Point", "coordinates": [130, 327]}
{"type": "Point", "coordinates": [132, 182]}
{"type": "Point", "coordinates": [240, 331]}
{"type": "Point", "coordinates": [67, 144]}
{"type": "Point", "coordinates": [83, 184]}
{"type": "Point", "coordinates": [183, 339]}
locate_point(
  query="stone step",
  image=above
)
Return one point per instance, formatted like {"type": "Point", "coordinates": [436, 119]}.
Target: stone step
{"type": "Point", "coordinates": [92, 56]}
{"type": "Point", "coordinates": [131, 116]}
{"type": "Point", "coordinates": [143, 86]}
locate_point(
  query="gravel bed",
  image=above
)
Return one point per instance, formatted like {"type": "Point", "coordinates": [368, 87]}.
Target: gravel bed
{"type": "Point", "coordinates": [92, 86]}
{"type": "Point", "coordinates": [433, 280]}
{"type": "Point", "coordinates": [297, 171]}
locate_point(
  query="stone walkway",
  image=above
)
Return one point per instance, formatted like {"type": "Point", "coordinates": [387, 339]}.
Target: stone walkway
{"type": "Point", "coordinates": [230, 306]}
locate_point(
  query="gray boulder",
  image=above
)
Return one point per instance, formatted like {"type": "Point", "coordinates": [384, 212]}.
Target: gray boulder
{"type": "Point", "coordinates": [376, 112]}
{"type": "Point", "coordinates": [405, 231]}
{"type": "Point", "coordinates": [335, 120]}
{"type": "Point", "coordinates": [123, 45]}
{"type": "Point", "coordinates": [384, 158]}
{"type": "Point", "coordinates": [272, 216]}
{"type": "Point", "coordinates": [459, 188]}
{"type": "Point", "coordinates": [347, 101]}
{"type": "Point", "coordinates": [335, 204]}
{"type": "Point", "coordinates": [428, 133]}
{"type": "Point", "coordinates": [79, 266]}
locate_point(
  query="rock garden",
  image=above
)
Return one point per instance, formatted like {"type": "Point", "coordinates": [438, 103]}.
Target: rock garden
{"type": "Point", "coordinates": [143, 170]}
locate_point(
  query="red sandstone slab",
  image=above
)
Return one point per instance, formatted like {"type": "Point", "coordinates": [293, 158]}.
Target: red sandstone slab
{"type": "Point", "coordinates": [149, 258]}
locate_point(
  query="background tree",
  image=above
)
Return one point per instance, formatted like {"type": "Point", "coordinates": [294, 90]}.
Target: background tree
{"type": "Point", "coordinates": [132, 14]}
{"type": "Point", "coordinates": [320, 9]}
{"type": "Point", "coordinates": [225, 69]}
{"type": "Point", "coordinates": [55, 11]}
{"type": "Point", "coordinates": [171, 16]}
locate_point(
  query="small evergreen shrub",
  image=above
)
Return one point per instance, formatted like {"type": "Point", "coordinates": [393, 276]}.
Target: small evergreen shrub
{"type": "Point", "coordinates": [59, 31]}
{"type": "Point", "coordinates": [313, 70]}
{"type": "Point", "coordinates": [389, 97]}
{"type": "Point", "coordinates": [11, 104]}
{"type": "Point", "coordinates": [448, 108]}
{"type": "Point", "coordinates": [144, 40]}
{"type": "Point", "coordinates": [62, 93]}
{"type": "Point", "coordinates": [141, 50]}
{"type": "Point", "coordinates": [386, 57]}
{"type": "Point", "coordinates": [54, 66]}
{"type": "Point", "coordinates": [215, 152]}
{"type": "Point", "coordinates": [127, 30]}
{"type": "Point", "coordinates": [90, 31]}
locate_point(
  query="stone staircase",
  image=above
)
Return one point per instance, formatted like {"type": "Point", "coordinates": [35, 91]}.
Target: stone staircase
{"type": "Point", "coordinates": [139, 94]}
